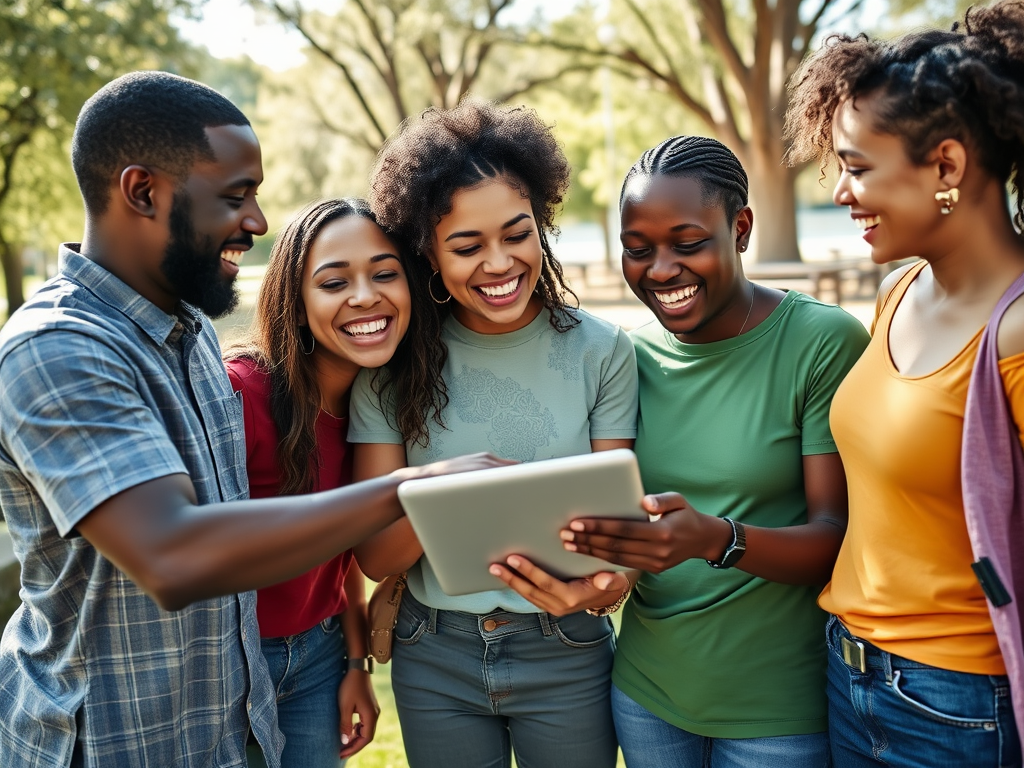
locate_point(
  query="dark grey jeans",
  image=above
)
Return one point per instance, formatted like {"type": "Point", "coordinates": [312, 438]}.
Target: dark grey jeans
{"type": "Point", "coordinates": [471, 688]}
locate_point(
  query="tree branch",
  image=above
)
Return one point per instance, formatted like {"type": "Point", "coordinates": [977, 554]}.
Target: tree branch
{"type": "Point", "coordinates": [536, 82]}
{"type": "Point", "coordinates": [296, 21]}
{"type": "Point", "coordinates": [359, 139]}
{"type": "Point", "coordinates": [717, 30]}
{"type": "Point", "coordinates": [388, 73]}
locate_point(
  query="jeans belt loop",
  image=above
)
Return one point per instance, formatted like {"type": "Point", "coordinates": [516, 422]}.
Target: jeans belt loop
{"type": "Point", "coordinates": [853, 653]}
{"type": "Point", "coordinates": [432, 621]}
{"type": "Point", "coordinates": [545, 624]}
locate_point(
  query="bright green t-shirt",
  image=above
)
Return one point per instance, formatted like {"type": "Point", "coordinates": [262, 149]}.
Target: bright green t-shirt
{"type": "Point", "coordinates": [721, 653]}
{"type": "Point", "coordinates": [527, 395]}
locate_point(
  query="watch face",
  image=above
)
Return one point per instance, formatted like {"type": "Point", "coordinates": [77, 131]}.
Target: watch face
{"type": "Point", "coordinates": [732, 557]}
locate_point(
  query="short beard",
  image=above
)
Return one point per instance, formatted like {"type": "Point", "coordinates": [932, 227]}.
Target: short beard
{"type": "Point", "coordinates": [192, 265]}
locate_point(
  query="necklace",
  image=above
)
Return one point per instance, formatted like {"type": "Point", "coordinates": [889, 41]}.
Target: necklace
{"type": "Point", "coordinates": [748, 310]}
{"type": "Point", "coordinates": [327, 410]}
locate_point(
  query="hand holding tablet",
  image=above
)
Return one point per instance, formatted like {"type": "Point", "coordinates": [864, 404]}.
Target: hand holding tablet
{"type": "Point", "coordinates": [468, 522]}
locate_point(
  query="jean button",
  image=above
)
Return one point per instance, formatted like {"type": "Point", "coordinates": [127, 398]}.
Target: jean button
{"type": "Point", "coordinates": [490, 625]}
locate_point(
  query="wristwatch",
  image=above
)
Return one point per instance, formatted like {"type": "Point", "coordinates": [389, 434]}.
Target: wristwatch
{"type": "Point", "coordinates": [364, 663]}
{"type": "Point", "coordinates": [736, 549]}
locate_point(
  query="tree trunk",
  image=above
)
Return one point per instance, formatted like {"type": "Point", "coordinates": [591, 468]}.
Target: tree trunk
{"type": "Point", "coordinates": [10, 260]}
{"type": "Point", "coordinates": [773, 200]}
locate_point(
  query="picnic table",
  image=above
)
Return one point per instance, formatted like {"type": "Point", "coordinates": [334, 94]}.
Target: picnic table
{"type": "Point", "coordinates": [822, 275]}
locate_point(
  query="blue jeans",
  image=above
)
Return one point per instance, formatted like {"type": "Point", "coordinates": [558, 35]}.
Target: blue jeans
{"type": "Point", "coordinates": [470, 689]}
{"type": "Point", "coordinates": [647, 741]}
{"type": "Point", "coordinates": [905, 714]}
{"type": "Point", "coordinates": [306, 670]}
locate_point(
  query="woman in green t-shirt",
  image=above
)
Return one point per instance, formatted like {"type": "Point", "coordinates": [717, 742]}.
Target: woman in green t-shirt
{"type": "Point", "coordinates": [721, 659]}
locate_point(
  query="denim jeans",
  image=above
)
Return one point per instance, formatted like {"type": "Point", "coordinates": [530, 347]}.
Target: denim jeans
{"type": "Point", "coordinates": [905, 714]}
{"type": "Point", "coordinates": [306, 670]}
{"type": "Point", "coordinates": [647, 741]}
{"type": "Point", "coordinates": [470, 689]}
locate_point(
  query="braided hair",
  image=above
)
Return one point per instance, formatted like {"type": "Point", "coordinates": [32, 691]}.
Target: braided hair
{"type": "Point", "coordinates": [719, 172]}
{"type": "Point", "coordinates": [966, 84]}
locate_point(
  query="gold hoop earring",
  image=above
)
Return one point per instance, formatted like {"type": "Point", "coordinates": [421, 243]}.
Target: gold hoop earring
{"type": "Point", "coordinates": [430, 289]}
{"type": "Point", "coordinates": [302, 341]}
{"type": "Point", "coordinates": [947, 200]}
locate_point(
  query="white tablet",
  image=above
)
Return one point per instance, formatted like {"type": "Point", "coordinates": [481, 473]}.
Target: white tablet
{"type": "Point", "coordinates": [467, 521]}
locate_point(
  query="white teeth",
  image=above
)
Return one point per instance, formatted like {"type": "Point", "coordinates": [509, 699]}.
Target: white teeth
{"type": "Point", "coordinates": [364, 329]}
{"type": "Point", "coordinates": [496, 291]}
{"type": "Point", "coordinates": [235, 257]}
{"type": "Point", "coordinates": [866, 222]}
{"type": "Point", "coordinates": [670, 298]}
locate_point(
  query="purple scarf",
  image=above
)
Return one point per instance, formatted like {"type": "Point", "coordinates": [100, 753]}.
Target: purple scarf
{"type": "Point", "coordinates": [992, 473]}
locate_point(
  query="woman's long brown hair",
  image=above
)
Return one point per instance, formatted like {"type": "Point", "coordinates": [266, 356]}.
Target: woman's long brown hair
{"type": "Point", "coordinates": [275, 345]}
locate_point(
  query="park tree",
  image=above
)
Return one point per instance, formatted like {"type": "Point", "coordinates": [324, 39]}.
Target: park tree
{"type": "Point", "coordinates": [728, 65]}
{"type": "Point", "coordinates": [394, 58]}
{"type": "Point", "coordinates": [53, 55]}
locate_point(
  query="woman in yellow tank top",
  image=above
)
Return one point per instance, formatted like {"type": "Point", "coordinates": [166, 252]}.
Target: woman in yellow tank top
{"type": "Point", "coordinates": [927, 130]}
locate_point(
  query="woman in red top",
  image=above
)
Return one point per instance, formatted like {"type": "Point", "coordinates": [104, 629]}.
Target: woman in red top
{"type": "Point", "coordinates": [335, 299]}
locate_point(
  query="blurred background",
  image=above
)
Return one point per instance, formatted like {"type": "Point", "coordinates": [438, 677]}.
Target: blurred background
{"type": "Point", "coordinates": [326, 81]}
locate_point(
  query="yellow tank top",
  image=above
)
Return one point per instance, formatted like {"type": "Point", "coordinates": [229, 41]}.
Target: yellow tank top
{"type": "Point", "coordinates": [903, 579]}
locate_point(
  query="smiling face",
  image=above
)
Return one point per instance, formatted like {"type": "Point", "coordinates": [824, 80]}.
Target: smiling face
{"type": "Point", "coordinates": [488, 252]}
{"type": "Point", "coordinates": [355, 295]}
{"type": "Point", "coordinates": [890, 198]}
{"type": "Point", "coordinates": [213, 218]}
{"type": "Point", "coordinates": [680, 257]}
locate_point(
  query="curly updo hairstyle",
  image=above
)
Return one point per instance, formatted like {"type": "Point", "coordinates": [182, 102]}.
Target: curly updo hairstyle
{"type": "Point", "coordinates": [436, 154]}
{"type": "Point", "coordinates": [966, 84]}
{"type": "Point", "coordinates": [716, 168]}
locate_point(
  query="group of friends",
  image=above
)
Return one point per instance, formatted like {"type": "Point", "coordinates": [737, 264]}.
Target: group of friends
{"type": "Point", "coordinates": [187, 587]}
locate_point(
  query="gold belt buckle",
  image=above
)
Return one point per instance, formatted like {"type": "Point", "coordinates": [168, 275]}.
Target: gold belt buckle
{"type": "Point", "coordinates": [853, 653]}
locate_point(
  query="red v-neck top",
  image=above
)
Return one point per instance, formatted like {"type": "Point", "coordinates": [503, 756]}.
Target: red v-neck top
{"type": "Point", "coordinates": [298, 604]}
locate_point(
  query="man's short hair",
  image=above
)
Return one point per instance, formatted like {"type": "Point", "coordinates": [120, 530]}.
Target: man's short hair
{"type": "Point", "coordinates": [145, 118]}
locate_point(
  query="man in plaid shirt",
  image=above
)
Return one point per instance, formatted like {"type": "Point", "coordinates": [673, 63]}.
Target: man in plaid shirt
{"type": "Point", "coordinates": [122, 458]}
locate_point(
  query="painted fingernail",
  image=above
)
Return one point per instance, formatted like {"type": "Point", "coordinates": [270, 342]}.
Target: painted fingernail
{"type": "Point", "coordinates": [344, 738]}
{"type": "Point", "coordinates": [514, 561]}
{"type": "Point", "coordinates": [576, 525]}
{"type": "Point", "coordinates": [495, 570]}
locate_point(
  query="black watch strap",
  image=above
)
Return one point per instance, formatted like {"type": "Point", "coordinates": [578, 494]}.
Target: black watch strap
{"type": "Point", "coordinates": [736, 549]}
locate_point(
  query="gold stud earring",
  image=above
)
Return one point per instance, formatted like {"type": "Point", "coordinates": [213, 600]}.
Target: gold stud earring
{"type": "Point", "coordinates": [947, 200]}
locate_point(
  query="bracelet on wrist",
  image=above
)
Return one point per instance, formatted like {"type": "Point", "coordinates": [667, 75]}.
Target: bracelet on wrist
{"type": "Point", "coordinates": [608, 610]}
{"type": "Point", "coordinates": [363, 663]}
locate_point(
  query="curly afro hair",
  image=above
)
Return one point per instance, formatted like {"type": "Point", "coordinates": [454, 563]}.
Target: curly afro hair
{"type": "Point", "coordinates": [966, 84]}
{"type": "Point", "coordinates": [434, 155]}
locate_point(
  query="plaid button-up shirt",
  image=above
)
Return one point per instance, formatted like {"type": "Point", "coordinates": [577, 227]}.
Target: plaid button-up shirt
{"type": "Point", "coordinates": [102, 391]}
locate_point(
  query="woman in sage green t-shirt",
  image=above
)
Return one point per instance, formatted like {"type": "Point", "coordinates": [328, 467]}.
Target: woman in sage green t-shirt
{"type": "Point", "coordinates": [721, 654]}
{"type": "Point", "coordinates": [527, 377]}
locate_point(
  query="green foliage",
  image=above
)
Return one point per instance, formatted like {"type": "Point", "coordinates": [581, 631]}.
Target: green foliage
{"type": "Point", "coordinates": [53, 55]}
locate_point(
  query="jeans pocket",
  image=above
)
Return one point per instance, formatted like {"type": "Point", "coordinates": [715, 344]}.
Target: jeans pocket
{"type": "Point", "coordinates": [579, 630]}
{"type": "Point", "coordinates": [409, 628]}
{"type": "Point", "coordinates": [330, 625]}
{"type": "Point", "coordinates": [933, 695]}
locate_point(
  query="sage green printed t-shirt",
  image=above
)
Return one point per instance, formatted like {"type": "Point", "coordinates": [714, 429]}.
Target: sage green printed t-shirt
{"type": "Point", "coordinates": [527, 395]}
{"type": "Point", "coordinates": [721, 653]}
